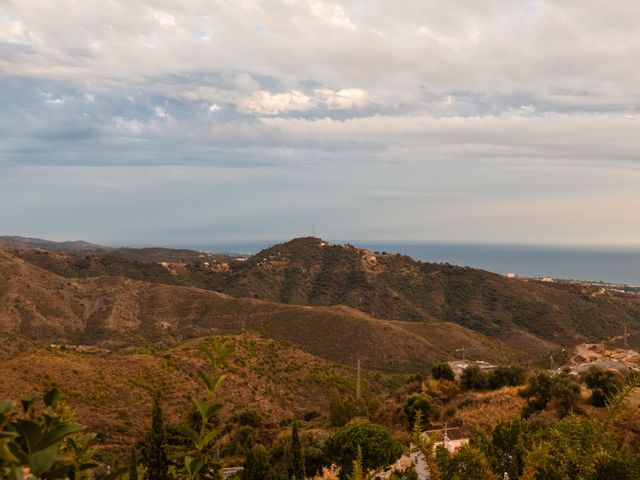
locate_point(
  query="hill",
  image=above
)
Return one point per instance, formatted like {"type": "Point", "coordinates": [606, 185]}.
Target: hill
{"type": "Point", "coordinates": [24, 243]}
{"type": "Point", "coordinates": [308, 271]}
{"type": "Point", "coordinates": [115, 312]}
{"type": "Point", "coordinates": [112, 392]}
{"type": "Point", "coordinates": [311, 271]}
{"type": "Point", "coordinates": [34, 246]}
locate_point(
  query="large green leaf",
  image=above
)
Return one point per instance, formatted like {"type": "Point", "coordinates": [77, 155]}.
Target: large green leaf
{"type": "Point", "coordinates": [30, 433]}
{"type": "Point", "coordinates": [203, 407]}
{"type": "Point", "coordinates": [218, 382]}
{"type": "Point", "coordinates": [209, 437]}
{"type": "Point", "coordinates": [52, 397]}
{"type": "Point", "coordinates": [41, 461]}
{"type": "Point", "coordinates": [206, 379]}
{"type": "Point", "coordinates": [6, 454]}
{"type": "Point", "coordinates": [193, 465]}
{"type": "Point", "coordinates": [28, 403]}
{"type": "Point", "coordinates": [191, 433]}
{"type": "Point", "coordinates": [213, 409]}
{"type": "Point", "coordinates": [5, 407]}
{"type": "Point", "coordinates": [59, 432]}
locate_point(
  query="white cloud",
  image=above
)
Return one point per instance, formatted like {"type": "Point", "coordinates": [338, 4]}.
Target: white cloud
{"type": "Point", "coordinates": [328, 86]}
{"type": "Point", "coordinates": [160, 112]}
{"type": "Point", "coordinates": [164, 19]}
{"type": "Point", "coordinates": [343, 99]}
{"type": "Point", "coordinates": [246, 82]}
{"type": "Point", "coordinates": [331, 13]}
{"type": "Point", "coordinates": [265, 103]}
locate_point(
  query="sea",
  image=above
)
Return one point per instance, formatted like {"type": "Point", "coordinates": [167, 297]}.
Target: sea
{"type": "Point", "coordinates": [609, 265]}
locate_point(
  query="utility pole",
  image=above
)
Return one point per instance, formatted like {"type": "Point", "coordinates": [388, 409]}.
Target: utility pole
{"type": "Point", "coordinates": [358, 380]}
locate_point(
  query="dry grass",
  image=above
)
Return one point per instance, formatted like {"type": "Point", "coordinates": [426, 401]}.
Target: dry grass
{"type": "Point", "coordinates": [484, 410]}
{"type": "Point", "coordinates": [113, 393]}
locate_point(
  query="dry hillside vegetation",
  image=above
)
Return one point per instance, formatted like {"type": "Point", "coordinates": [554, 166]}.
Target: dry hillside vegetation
{"type": "Point", "coordinates": [530, 316]}
{"type": "Point", "coordinates": [112, 392]}
{"type": "Point", "coordinates": [115, 312]}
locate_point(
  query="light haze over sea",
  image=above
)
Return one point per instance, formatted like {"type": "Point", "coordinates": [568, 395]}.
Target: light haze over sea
{"type": "Point", "coordinates": [594, 264]}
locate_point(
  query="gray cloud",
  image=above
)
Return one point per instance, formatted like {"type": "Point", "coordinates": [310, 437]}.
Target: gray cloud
{"type": "Point", "coordinates": [318, 89]}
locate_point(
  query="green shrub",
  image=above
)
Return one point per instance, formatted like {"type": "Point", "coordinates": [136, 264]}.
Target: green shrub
{"type": "Point", "coordinates": [379, 449]}
{"type": "Point", "coordinates": [344, 408]}
{"type": "Point", "coordinates": [256, 465]}
{"type": "Point", "coordinates": [506, 376]}
{"type": "Point", "coordinates": [603, 384]}
{"type": "Point", "coordinates": [420, 402]}
{"type": "Point", "coordinates": [542, 388]}
{"type": "Point", "coordinates": [442, 371]}
{"type": "Point", "coordinates": [473, 378]}
{"type": "Point", "coordinates": [249, 417]}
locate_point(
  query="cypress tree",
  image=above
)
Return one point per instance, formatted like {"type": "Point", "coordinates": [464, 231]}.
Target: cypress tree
{"type": "Point", "coordinates": [155, 456]}
{"type": "Point", "coordinates": [256, 465]}
{"type": "Point", "coordinates": [133, 465]}
{"type": "Point", "coordinates": [296, 468]}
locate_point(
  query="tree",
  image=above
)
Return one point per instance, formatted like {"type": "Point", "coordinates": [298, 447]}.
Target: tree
{"type": "Point", "coordinates": [538, 392]}
{"type": "Point", "coordinates": [573, 447]}
{"type": "Point", "coordinates": [566, 392]}
{"type": "Point", "coordinates": [504, 376]}
{"type": "Point", "coordinates": [408, 473]}
{"type": "Point", "coordinates": [469, 463]}
{"type": "Point", "coordinates": [343, 408]}
{"type": "Point", "coordinates": [424, 445]}
{"type": "Point", "coordinates": [155, 456]}
{"type": "Point", "coordinates": [296, 467]}
{"type": "Point", "coordinates": [442, 462]}
{"type": "Point", "coordinates": [509, 446]}
{"type": "Point", "coordinates": [603, 384]}
{"type": "Point", "coordinates": [379, 449]}
{"type": "Point", "coordinates": [133, 465]}
{"type": "Point", "coordinates": [420, 402]}
{"type": "Point", "coordinates": [473, 378]}
{"type": "Point", "coordinates": [256, 465]}
{"type": "Point", "coordinates": [442, 371]}
{"type": "Point", "coordinates": [542, 388]}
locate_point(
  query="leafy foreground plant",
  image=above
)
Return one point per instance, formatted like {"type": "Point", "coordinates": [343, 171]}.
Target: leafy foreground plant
{"type": "Point", "coordinates": [43, 442]}
{"type": "Point", "coordinates": [200, 461]}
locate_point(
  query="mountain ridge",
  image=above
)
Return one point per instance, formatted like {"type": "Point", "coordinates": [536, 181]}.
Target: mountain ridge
{"type": "Point", "coordinates": [309, 272]}
{"type": "Point", "coordinates": [116, 312]}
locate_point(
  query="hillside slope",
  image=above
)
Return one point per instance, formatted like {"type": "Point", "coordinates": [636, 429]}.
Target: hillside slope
{"type": "Point", "coordinates": [113, 392]}
{"type": "Point", "coordinates": [309, 271]}
{"type": "Point", "coordinates": [115, 312]}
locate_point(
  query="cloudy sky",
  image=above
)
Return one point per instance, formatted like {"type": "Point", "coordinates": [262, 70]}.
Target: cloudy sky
{"type": "Point", "coordinates": [203, 121]}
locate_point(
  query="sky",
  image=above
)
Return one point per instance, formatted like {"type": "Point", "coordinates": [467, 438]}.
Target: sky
{"type": "Point", "coordinates": [210, 121]}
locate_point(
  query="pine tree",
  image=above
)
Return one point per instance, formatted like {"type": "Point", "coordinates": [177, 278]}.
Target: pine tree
{"type": "Point", "coordinates": [296, 467]}
{"type": "Point", "coordinates": [155, 456]}
{"type": "Point", "coordinates": [133, 465]}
